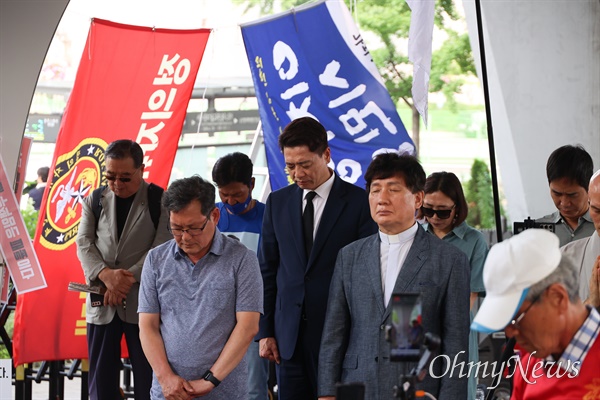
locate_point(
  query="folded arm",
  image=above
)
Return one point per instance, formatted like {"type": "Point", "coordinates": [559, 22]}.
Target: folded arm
{"type": "Point", "coordinates": [173, 386]}
{"type": "Point", "coordinates": [233, 352]}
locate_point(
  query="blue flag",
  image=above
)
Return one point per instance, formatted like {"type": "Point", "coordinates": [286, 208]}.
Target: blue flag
{"type": "Point", "coordinates": [312, 61]}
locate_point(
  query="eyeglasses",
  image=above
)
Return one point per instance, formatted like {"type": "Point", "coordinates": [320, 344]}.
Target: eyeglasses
{"type": "Point", "coordinates": [113, 178]}
{"type": "Point", "coordinates": [515, 322]}
{"type": "Point", "coordinates": [189, 231]}
{"type": "Point", "coordinates": [442, 214]}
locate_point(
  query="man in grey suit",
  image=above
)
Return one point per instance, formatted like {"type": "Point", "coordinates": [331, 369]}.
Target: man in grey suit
{"type": "Point", "coordinates": [112, 247]}
{"type": "Point", "coordinates": [400, 258]}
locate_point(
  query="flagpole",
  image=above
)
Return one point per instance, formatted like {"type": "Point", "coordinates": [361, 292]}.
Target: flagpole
{"type": "Point", "coordinates": [488, 115]}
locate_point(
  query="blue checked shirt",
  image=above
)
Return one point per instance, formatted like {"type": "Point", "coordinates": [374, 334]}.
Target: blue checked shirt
{"type": "Point", "coordinates": [580, 345]}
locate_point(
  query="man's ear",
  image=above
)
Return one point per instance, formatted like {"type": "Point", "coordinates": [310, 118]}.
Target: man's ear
{"type": "Point", "coordinates": [216, 215]}
{"type": "Point", "coordinates": [327, 155]}
{"type": "Point", "coordinates": [557, 295]}
{"type": "Point", "coordinates": [419, 196]}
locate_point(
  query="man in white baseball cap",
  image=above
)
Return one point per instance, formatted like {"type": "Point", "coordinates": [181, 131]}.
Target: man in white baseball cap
{"type": "Point", "coordinates": [532, 294]}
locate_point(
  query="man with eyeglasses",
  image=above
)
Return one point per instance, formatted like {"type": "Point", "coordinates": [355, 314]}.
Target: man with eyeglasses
{"type": "Point", "coordinates": [532, 294]}
{"type": "Point", "coordinates": [400, 258]}
{"type": "Point", "coordinates": [112, 247]}
{"type": "Point", "coordinates": [200, 301]}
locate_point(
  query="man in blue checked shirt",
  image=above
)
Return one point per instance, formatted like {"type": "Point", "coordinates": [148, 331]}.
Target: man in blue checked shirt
{"type": "Point", "coordinates": [533, 294]}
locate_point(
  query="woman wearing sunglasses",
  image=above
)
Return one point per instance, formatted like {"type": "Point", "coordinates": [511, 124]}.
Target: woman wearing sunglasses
{"type": "Point", "coordinates": [445, 211]}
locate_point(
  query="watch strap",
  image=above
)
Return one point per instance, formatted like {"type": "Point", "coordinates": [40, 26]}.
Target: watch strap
{"type": "Point", "coordinates": [208, 376]}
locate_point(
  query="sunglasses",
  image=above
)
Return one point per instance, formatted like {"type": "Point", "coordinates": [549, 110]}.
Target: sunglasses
{"type": "Point", "coordinates": [113, 178]}
{"type": "Point", "coordinates": [442, 214]}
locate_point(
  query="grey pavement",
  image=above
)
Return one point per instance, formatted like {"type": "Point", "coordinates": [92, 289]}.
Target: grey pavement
{"type": "Point", "coordinates": [72, 390]}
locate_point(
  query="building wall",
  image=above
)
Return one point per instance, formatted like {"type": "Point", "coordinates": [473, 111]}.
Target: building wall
{"type": "Point", "coordinates": [26, 29]}
{"type": "Point", "coordinates": [543, 65]}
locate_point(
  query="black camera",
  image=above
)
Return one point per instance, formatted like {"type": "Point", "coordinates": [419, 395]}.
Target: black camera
{"type": "Point", "coordinates": [529, 223]}
{"type": "Point", "coordinates": [406, 334]}
{"type": "Point", "coordinates": [409, 342]}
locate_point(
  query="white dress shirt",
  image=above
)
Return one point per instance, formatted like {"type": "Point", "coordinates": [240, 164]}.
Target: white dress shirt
{"type": "Point", "coordinates": [393, 250]}
{"type": "Point", "coordinates": [319, 200]}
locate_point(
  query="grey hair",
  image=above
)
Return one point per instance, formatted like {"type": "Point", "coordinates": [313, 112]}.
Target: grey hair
{"type": "Point", "coordinates": [565, 274]}
{"type": "Point", "coordinates": [182, 192]}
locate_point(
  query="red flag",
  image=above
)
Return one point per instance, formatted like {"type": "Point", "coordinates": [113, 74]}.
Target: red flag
{"type": "Point", "coordinates": [132, 83]}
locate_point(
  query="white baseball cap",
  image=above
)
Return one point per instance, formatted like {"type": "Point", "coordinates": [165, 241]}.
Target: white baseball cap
{"type": "Point", "coordinates": [511, 268]}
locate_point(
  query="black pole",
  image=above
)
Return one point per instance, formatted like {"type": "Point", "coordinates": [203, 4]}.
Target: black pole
{"type": "Point", "coordinates": [488, 115]}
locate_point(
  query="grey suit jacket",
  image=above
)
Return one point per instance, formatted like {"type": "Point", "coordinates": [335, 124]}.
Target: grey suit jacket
{"type": "Point", "coordinates": [353, 346]}
{"type": "Point", "coordinates": [98, 248]}
{"type": "Point", "coordinates": [583, 253]}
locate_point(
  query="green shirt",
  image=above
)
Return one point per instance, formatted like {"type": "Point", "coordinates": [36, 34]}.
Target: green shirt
{"type": "Point", "coordinates": [473, 244]}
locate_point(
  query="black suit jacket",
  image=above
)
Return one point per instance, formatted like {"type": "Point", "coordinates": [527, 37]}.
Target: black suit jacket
{"type": "Point", "coordinates": [292, 282]}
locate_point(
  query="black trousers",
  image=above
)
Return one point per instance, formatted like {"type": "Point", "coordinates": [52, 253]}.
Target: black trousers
{"type": "Point", "coordinates": [297, 377]}
{"type": "Point", "coordinates": [104, 347]}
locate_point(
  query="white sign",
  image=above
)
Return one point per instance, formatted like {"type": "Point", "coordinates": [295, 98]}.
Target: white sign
{"type": "Point", "coordinates": [6, 386]}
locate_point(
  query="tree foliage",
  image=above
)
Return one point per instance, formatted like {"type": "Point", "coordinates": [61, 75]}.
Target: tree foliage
{"type": "Point", "coordinates": [480, 197]}
{"type": "Point", "coordinates": [389, 20]}
{"type": "Point", "coordinates": [30, 217]}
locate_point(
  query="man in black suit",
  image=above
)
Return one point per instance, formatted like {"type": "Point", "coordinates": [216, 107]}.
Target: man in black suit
{"type": "Point", "coordinates": [304, 227]}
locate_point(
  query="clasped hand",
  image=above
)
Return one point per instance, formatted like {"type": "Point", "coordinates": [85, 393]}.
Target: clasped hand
{"type": "Point", "coordinates": [118, 284]}
{"type": "Point", "coordinates": [177, 388]}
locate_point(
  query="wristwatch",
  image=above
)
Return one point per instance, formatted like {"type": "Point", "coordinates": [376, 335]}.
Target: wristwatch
{"type": "Point", "coordinates": [208, 376]}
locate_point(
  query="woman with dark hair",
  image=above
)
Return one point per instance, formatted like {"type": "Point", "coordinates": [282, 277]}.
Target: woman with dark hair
{"type": "Point", "coordinates": [445, 211]}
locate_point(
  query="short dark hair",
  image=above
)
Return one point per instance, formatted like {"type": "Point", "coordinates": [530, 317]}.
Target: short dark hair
{"type": "Point", "coordinates": [387, 165]}
{"type": "Point", "coordinates": [305, 131]}
{"type": "Point", "coordinates": [571, 162]}
{"type": "Point", "coordinates": [182, 192]}
{"type": "Point", "coordinates": [449, 184]}
{"type": "Point", "coordinates": [234, 167]}
{"type": "Point", "coordinates": [124, 148]}
{"type": "Point", "coordinates": [43, 173]}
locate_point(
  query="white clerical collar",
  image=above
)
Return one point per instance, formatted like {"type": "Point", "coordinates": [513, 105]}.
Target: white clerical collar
{"type": "Point", "coordinates": [401, 237]}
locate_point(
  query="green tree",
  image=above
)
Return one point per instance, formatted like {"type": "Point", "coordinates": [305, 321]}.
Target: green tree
{"type": "Point", "coordinates": [389, 20]}
{"type": "Point", "coordinates": [30, 217]}
{"type": "Point", "coordinates": [480, 197]}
